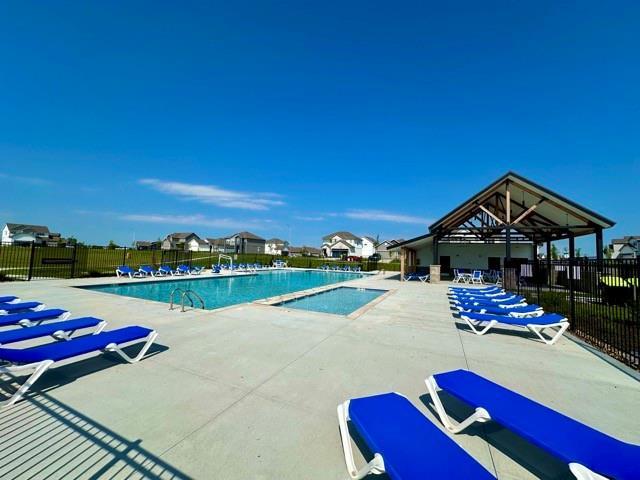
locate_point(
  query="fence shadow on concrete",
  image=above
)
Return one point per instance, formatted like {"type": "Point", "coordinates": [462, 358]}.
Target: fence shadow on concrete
{"type": "Point", "coordinates": [45, 438]}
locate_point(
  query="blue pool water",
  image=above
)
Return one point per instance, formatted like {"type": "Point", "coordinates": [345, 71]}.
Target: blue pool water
{"type": "Point", "coordinates": [341, 301]}
{"type": "Point", "coordinates": [223, 291]}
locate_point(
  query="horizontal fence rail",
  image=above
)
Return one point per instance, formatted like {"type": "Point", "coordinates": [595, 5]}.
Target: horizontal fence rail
{"type": "Point", "coordinates": [601, 298]}
{"type": "Point", "coordinates": [32, 261]}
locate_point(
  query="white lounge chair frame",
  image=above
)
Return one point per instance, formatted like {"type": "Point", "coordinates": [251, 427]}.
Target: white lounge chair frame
{"type": "Point", "coordinates": [40, 367]}
{"type": "Point", "coordinates": [533, 328]}
{"type": "Point", "coordinates": [25, 322]}
{"type": "Point", "coordinates": [482, 416]}
{"type": "Point", "coordinates": [375, 466]}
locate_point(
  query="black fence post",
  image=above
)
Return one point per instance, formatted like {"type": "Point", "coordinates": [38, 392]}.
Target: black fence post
{"type": "Point", "coordinates": [124, 256]}
{"type": "Point", "coordinates": [73, 260]}
{"type": "Point", "coordinates": [31, 260]}
{"type": "Point", "coordinates": [175, 263]}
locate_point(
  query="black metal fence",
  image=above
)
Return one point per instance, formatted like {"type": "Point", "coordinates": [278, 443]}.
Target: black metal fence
{"type": "Point", "coordinates": [601, 298]}
{"type": "Point", "coordinates": [32, 261]}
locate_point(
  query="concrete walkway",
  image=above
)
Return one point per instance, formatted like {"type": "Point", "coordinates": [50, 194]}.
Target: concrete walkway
{"type": "Point", "coordinates": [250, 392]}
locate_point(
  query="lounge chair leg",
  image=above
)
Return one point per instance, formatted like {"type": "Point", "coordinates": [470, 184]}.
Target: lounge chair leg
{"type": "Point", "coordinates": [583, 473]}
{"type": "Point", "coordinates": [38, 369]}
{"type": "Point", "coordinates": [474, 327]}
{"type": "Point", "coordinates": [480, 415]}
{"type": "Point", "coordinates": [112, 347]}
{"type": "Point", "coordinates": [375, 466]}
{"type": "Point", "coordinates": [538, 329]}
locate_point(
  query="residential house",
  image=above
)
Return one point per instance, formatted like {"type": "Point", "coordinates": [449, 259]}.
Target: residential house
{"type": "Point", "coordinates": [341, 244]}
{"type": "Point", "coordinates": [368, 246]}
{"type": "Point", "coordinates": [245, 242]}
{"type": "Point", "coordinates": [145, 245]}
{"type": "Point", "coordinates": [626, 247]}
{"type": "Point", "coordinates": [304, 251]}
{"type": "Point", "coordinates": [383, 249]}
{"type": "Point", "coordinates": [22, 234]}
{"type": "Point", "coordinates": [218, 245]}
{"type": "Point", "coordinates": [275, 246]}
{"type": "Point", "coordinates": [187, 241]}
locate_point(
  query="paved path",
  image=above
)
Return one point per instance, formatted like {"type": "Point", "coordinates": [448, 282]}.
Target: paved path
{"type": "Point", "coordinates": [250, 392]}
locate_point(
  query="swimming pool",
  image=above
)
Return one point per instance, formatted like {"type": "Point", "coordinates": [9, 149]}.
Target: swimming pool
{"type": "Point", "coordinates": [222, 291]}
{"type": "Point", "coordinates": [340, 301]}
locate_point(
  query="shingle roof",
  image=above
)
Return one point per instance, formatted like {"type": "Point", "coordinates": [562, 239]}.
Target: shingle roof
{"type": "Point", "coordinates": [249, 235]}
{"type": "Point", "coordinates": [341, 234]}
{"type": "Point", "coordinates": [625, 240]}
{"type": "Point", "coordinates": [371, 239]}
{"type": "Point", "coordinates": [277, 241]}
{"type": "Point", "coordinates": [22, 227]}
{"type": "Point", "coordinates": [181, 234]}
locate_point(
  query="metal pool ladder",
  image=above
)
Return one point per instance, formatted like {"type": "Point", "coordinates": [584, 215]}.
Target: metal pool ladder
{"type": "Point", "coordinates": [185, 294]}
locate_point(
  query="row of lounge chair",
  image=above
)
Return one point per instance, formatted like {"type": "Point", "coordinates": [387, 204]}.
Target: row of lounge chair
{"type": "Point", "coordinates": [338, 268]}
{"type": "Point", "coordinates": [407, 445]}
{"type": "Point", "coordinates": [163, 271]}
{"type": "Point", "coordinates": [26, 321]}
{"type": "Point", "coordinates": [483, 309]}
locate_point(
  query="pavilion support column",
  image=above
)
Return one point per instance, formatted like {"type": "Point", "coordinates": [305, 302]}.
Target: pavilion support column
{"type": "Point", "coordinates": [507, 253]}
{"type": "Point", "coordinates": [599, 249]}
{"type": "Point", "coordinates": [436, 255]}
{"type": "Point", "coordinates": [403, 255]}
{"type": "Point", "coordinates": [549, 274]}
{"type": "Point", "coordinates": [572, 255]}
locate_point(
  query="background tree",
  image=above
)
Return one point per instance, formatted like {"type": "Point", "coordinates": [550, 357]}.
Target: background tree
{"type": "Point", "coordinates": [112, 245]}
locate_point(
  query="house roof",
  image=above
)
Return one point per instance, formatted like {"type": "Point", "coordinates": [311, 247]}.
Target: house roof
{"type": "Point", "coordinates": [625, 240]}
{"type": "Point", "coordinates": [25, 228]}
{"type": "Point", "coordinates": [217, 241]}
{"type": "Point", "coordinates": [249, 235]}
{"type": "Point", "coordinates": [179, 235]}
{"type": "Point", "coordinates": [277, 241]}
{"type": "Point", "coordinates": [371, 239]}
{"type": "Point", "coordinates": [342, 234]}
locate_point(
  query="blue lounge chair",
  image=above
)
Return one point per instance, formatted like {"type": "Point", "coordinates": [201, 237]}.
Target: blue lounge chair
{"type": "Point", "coordinates": [513, 311]}
{"type": "Point", "coordinates": [58, 330]}
{"type": "Point", "coordinates": [7, 308]}
{"type": "Point", "coordinates": [165, 270]}
{"type": "Point", "coordinates": [507, 300]}
{"type": "Point", "coordinates": [534, 324]}
{"type": "Point", "coordinates": [9, 299]}
{"type": "Point", "coordinates": [215, 269]}
{"type": "Point", "coordinates": [406, 445]}
{"type": "Point", "coordinates": [183, 270]}
{"type": "Point", "coordinates": [147, 271]}
{"type": "Point", "coordinates": [590, 454]}
{"type": "Point", "coordinates": [415, 276]}
{"type": "Point", "coordinates": [476, 304]}
{"type": "Point", "coordinates": [126, 271]}
{"type": "Point", "coordinates": [196, 270]}
{"type": "Point", "coordinates": [489, 294]}
{"type": "Point", "coordinates": [29, 318]}
{"type": "Point", "coordinates": [41, 357]}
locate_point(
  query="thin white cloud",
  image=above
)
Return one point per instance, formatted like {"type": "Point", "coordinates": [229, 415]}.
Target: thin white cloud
{"type": "Point", "coordinates": [26, 180]}
{"type": "Point", "coordinates": [381, 216]}
{"type": "Point", "coordinates": [195, 220]}
{"type": "Point", "coordinates": [309, 218]}
{"type": "Point", "coordinates": [213, 195]}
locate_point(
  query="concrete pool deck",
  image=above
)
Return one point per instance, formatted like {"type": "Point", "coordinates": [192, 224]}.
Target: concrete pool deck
{"type": "Point", "coordinates": [250, 391]}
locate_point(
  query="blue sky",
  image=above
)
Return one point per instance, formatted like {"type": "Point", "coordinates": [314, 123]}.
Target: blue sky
{"type": "Point", "coordinates": [123, 119]}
